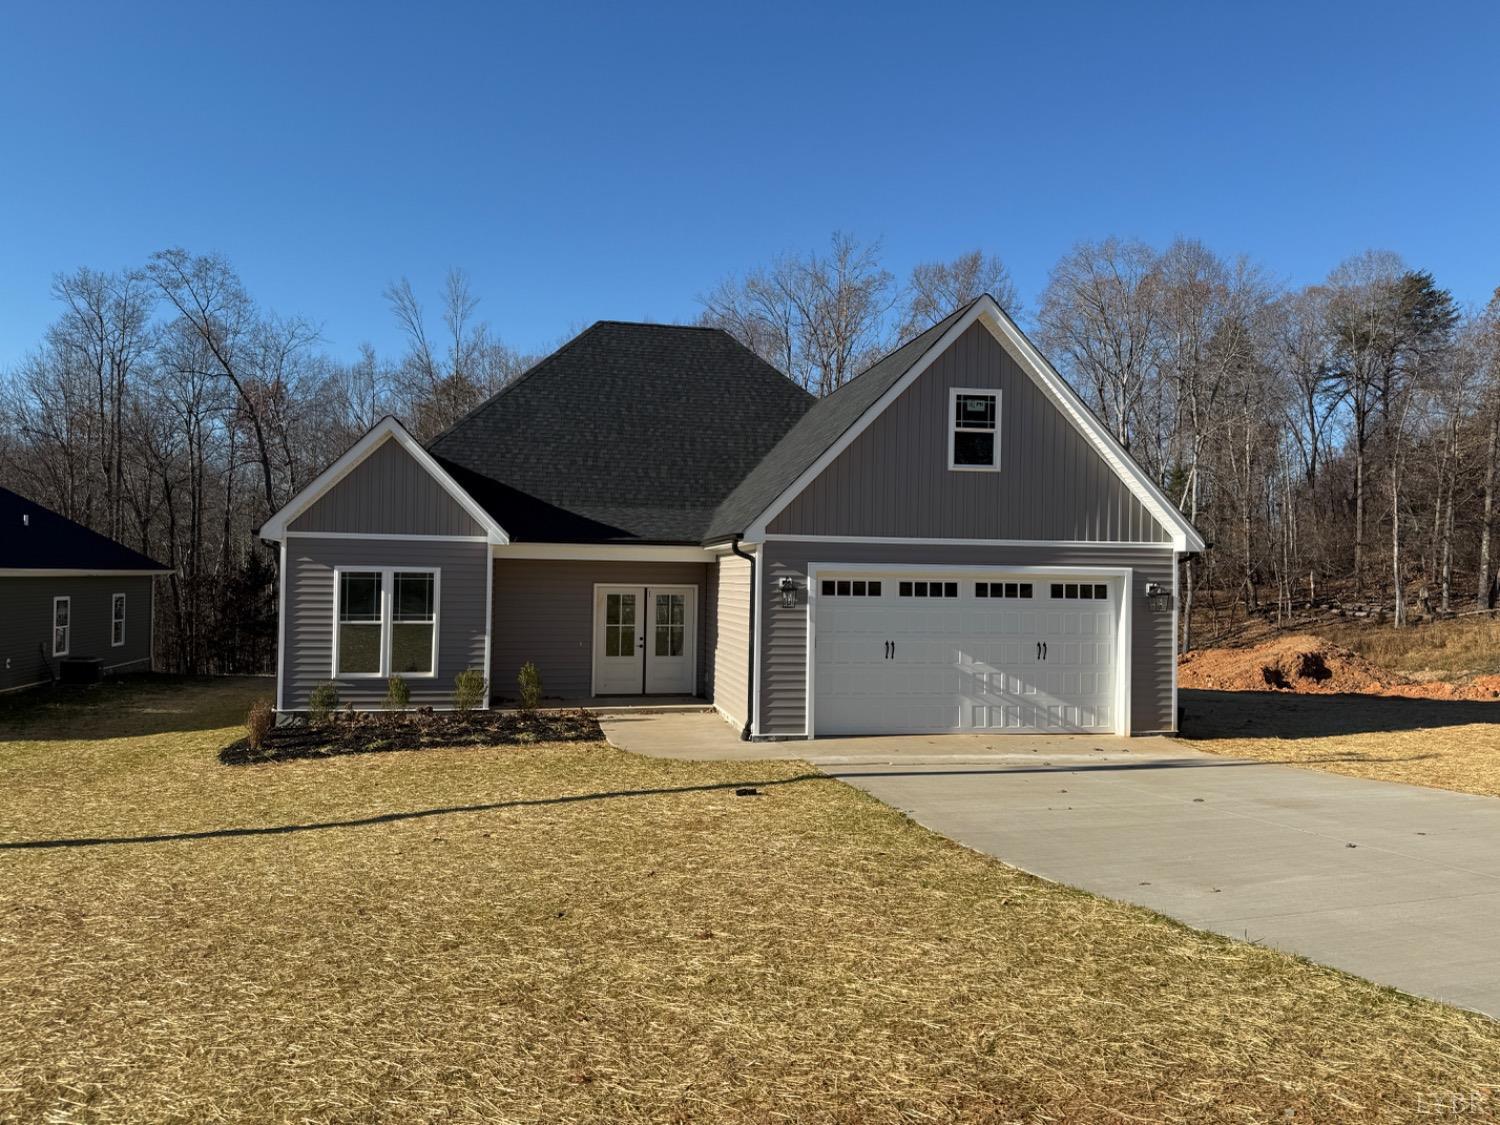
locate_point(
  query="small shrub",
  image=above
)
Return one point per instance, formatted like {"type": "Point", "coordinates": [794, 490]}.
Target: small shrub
{"type": "Point", "coordinates": [530, 682]}
{"type": "Point", "coordinates": [468, 690]}
{"type": "Point", "coordinates": [397, 694]}
{"type": "Point", "coordinates": [322, 701]}
{"type": "Point", "coordinates": [258, 723]}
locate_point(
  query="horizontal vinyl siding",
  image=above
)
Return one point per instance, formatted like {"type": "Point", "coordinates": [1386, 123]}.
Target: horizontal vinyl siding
{"type": "Point", "coordinates": [783, 661]}
{"type": "Point", "coordinates": [308, 660]}
{"type": "Point", "coordinates": [732, 643]}
{"type": "Point", "coordinates": [894, 480]}
{"type": "Point", "coordinates": [26, 632]}
{"type": "Point", "coordinates": [388, 493]}
{"type": "Point", "coordinates": [544, 612]}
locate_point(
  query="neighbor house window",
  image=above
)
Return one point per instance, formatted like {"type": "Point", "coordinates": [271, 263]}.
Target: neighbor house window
{"type": "Point", "coordinates": [386, 622]}
{"type": "Point", "coordinates": [116, 620]}
{"type": "Point", "coordinates": [62, 628]}
{"type": "Point", "coordinates": [973, 435]}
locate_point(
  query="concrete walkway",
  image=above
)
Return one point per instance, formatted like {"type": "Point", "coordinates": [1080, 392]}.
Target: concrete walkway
{"type": "Point", "coordinates": [1397, 884]}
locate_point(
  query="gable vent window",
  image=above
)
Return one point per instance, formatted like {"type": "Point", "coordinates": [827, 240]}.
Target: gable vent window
{"type": "Point", "coordinates": [1085, 590]}
{"type": "Point", "coordinates": [850, 588]}
{"type": "Point", "coordinates": [974, 438]}
{"type": "Point", "coordinates": [929, 589]}
{"type": "Point", "coordinates": [1002, 589]}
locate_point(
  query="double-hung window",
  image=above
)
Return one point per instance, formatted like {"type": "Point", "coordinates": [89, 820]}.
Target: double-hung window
{"type": "Point", "coordinates": [62, 625]}
{"type": "Point", "coordinates": [386, 622]}
{"type": "Point", "coordinates": [116, 620]}
{"type": "Point", "coordinates": [974, 429]}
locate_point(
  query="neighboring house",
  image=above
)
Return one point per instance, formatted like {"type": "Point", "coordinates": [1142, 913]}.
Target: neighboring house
{"type": "Point", "coordinates": [949, 542]}
{"type": "Point", "coordinates": [68, 592]}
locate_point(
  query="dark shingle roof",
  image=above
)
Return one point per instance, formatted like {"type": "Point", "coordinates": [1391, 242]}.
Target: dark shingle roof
{"type": "Point", "coordinates": [627, 432]}
{"type": "Point", "coordinates": [818, 429]}
{"type": "Point", "coordinates": [36, 538]}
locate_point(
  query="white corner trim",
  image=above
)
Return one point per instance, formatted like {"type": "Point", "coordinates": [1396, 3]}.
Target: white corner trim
{"type": "Point", "coordinates": [1184, 536]}
{"type": "Point", "coordinates": [280, 629]}
{"type": "Point", "coordinates": [604, 552]}
{"type": "Point", "coordinates": [387, 428]}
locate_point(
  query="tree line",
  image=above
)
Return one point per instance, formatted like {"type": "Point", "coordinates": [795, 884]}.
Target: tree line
{"type": "Point", "coordinates": [1335, 440]}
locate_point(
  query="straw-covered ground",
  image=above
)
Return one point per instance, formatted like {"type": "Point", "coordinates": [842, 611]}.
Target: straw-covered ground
{"type": "Point", "coordinates": [572, 933]}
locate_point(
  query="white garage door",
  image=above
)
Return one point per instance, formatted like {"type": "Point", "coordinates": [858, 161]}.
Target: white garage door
{"type": "Point", "coordinates": [913, 653]}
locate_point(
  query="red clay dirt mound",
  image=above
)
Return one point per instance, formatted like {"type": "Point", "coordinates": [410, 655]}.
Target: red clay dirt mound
{"type": "Point", "coordinates": [1300, 662]}
{"type": "Point", "coordinates": [1303, 662]}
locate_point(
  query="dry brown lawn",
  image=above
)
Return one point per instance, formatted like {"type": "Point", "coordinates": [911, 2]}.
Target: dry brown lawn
{"type": "Point", "coordinates": [1445, 744]}
{"type": "Point", "coordinates": [1457, 647]}
{"type": "Point", "coordinates": [577, 934]}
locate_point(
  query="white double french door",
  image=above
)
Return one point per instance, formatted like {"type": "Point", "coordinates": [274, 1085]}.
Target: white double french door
{"type": "Point", "coordinates": [645, 640]}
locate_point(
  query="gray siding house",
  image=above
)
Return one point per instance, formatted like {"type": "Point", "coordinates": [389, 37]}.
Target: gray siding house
{"type": "Point", "coordinates": [949, 542]}
{"type": "Point", "coordinates": [68, 593]}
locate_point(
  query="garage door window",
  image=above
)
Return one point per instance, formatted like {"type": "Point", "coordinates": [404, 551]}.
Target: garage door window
{"type": "Point", "coordinates": [929, 589]}
{"type": "Point", "coordinates": [1002, 589]}
{"type": "Point", "coordinates": [850, 588]}
{"type": "Point", "coordinates": [1080, 590]}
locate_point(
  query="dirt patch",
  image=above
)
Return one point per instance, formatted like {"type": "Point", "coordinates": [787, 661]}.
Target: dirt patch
{"type": "Point", "coordinates": [376, 732]}
{"type": "Point", "coordinates": [1301, 662]}
{"type": "Point", "coordinates": [1305, 662]}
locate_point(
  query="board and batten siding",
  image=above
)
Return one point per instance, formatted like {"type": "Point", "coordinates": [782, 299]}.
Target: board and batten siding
{"type": "Point", "coordinates": [731, 641]}
{"type": "Point", "coordinates": [388, 493]}
{"type": "Point", "coordinates": [309, 614]}
{"type": "Point", "coordinates": [543, 611]}
{"type": "Point", "coordinates": [26, 637]}
{"type": "Point", "coordinates": [894, 480]}
{"type": "Point", "coordinates": [783, 655]}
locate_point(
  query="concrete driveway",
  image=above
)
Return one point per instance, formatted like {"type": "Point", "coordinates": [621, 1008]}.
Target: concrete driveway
{"type": "Point", "coordinates": [1397, 884]}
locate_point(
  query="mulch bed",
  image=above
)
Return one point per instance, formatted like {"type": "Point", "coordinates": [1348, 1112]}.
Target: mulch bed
{"type": "Point", "coordinates": [355, 732]}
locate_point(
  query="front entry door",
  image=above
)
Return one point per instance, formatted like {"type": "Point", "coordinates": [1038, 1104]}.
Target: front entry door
{"type": "Point", "coordinates": [645, 640]}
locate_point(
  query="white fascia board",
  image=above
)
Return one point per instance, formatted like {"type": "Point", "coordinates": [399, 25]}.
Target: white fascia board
{"type": "Point", "coordinates": [911, 541]}
{"type": "Point", "coordinates": [23, 572]}
{"type": "Point", "coordinates": [1184, 536]}
{"type": "Point", "coordinates": [387, 429]}
{"type": "Point", "coordinates": [604, 552]}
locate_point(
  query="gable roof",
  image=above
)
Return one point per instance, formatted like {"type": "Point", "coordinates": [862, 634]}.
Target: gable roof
{"type": "Point", "coordinates": [628, 432]}
{"type": "Point", "coordinates": [818, 429]}
{"type": "Point", "coordinates": [829, 429]}
{"type": "Point", "coordinates": [387, 429]}
{"type": "Point", "coordinates": [34, 538]}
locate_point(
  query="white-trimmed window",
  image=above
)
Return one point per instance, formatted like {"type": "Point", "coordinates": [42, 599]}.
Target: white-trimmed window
{"type": "Point", "coordinates": [116, 620]}
{"type": "Point", "coordinates": [62, 626]}
{"type": "Point", "coordinates": [385, 622]}
{"type": "Point", "coordinates": [974, 429]}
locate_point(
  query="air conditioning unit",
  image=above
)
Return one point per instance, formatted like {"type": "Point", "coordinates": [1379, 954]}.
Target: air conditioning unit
{"type": "Point", "coordinates": [80, 670]}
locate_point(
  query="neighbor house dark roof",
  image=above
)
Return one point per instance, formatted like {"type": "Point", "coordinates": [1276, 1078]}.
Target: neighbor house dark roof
{"type": "Point", "coordinates": [628, 432]}
{"type": "Point", "coordinates": [818, 429]}
{"type": "Point", "coordinates": [36, 538]}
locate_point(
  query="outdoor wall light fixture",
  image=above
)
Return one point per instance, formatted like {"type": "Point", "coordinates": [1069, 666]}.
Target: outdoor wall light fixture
{"type": "Point", "coordinates": [1157, 597]}
{"type": "Point", "coordinates": [788, 589]}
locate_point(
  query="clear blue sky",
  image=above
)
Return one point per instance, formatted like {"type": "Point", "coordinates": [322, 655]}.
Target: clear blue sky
{"type": "Point", "coordinates": [585, 162]}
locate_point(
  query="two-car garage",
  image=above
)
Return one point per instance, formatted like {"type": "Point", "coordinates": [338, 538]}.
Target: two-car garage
{"type": "Point", "coordinates": [942, 650]}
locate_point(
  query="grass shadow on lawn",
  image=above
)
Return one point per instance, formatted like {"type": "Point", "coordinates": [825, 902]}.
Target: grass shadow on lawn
{"type": "Point", "coordinates": [133, 706]}
{"type": "Point", "coordinates": [395, 817]}
{"type": "Point", "coordinates": [1211, 715]}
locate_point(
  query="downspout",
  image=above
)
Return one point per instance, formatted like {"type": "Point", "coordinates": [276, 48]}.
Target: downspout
{"type": "Point", "coordinates": [750, 666]}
